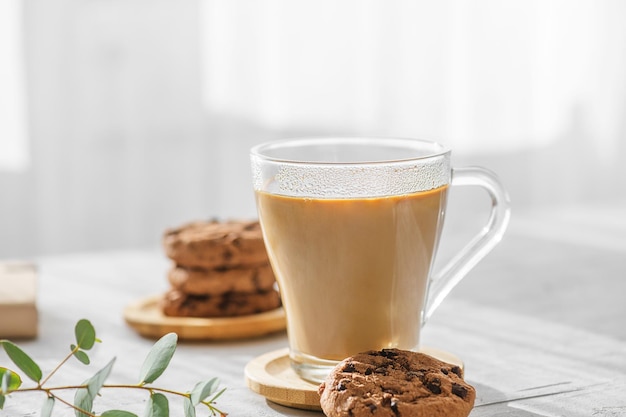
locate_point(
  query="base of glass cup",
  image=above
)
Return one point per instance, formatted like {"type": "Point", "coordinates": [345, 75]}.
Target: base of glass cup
{"type": "Point", "coordinates": [311, 368]}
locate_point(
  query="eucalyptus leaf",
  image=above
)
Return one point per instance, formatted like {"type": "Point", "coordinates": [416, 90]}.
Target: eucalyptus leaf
{"type": "Point", "coordinates": [203, 390]}
{"type": "Point", "coordinates": [22, 360]}
{"type": "Point", "coordinates": [95, 383]}
{"type": "Point", "coordinates": [190, 410]}
{"type": "Point", "coordinates": [157, 406]}
{"type": "Point", "coordinates": [48, 405]}
{"type": "Point", "coordinates": [9, 381]}
{"type": "Point", "coordinates": [158, 358]}
{"type": "Point", "coordinates": [85, 334]}
{"type": "Point", "coordinates": [84, 401]}
{"type": "Point", "coordinates": [216, 396]}
{"type": "Point", "coordinates": [82, 357]}
{"type": "Point", "coordinates": [117, 413]}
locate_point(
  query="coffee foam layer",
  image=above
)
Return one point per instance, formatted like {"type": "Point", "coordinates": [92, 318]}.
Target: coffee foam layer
{"type": "Point", "coordinates": [351, 180]}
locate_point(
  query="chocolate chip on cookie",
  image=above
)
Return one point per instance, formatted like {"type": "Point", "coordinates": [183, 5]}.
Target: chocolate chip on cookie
{"type": "Point", "coordinates": [393, 382]}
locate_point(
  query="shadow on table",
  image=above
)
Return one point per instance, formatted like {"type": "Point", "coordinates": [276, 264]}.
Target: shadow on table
{"type": "Point", "coordinates": [491, 402]}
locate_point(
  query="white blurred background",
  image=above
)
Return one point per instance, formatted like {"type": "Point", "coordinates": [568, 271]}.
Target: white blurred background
{"type": "Point", "coordinates": [120, 118]}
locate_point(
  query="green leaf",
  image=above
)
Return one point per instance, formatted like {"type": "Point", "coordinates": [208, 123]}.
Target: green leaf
{"type": "Point", "coordinates": [9, 381]}
{"type": "Point", "coordinates": [203, 390]}
{"type": "Point", "coordinates": [85, 334]}
{"type": "Point", "coordinates": [157, 406]}
{"type": "Point", "coordinates": [46, 410]}
{"type": "Point", "coordinates": [84, 401]}
{"type": "Point", "coordinates": [97, 381]}
{"type": "Point", "coordinates": [1, 401]}
{"type": "Point", "coordinates": [158, 358]}
{"type": "Point", "coordinates": [190, 410]}
{"type": "Point", "coordinates": [22, 360]}
{"type": "Point", "coordinates": [82, 356]}
{"type": "Point", "coordinates": [216, 396]}
{"type": "Point", "coordinates": [117, 413]}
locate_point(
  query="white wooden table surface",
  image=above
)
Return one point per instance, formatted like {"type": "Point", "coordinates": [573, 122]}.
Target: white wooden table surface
{"type": "Point", "coordinates": [540, 324]}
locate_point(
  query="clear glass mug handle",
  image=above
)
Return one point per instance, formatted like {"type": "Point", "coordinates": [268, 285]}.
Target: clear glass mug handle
{"type": "Point", "coordinates": [451, 274]}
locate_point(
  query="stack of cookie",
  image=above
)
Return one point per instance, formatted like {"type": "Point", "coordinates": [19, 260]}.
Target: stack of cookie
{"type": "Point", "coordinates": [221, 269]}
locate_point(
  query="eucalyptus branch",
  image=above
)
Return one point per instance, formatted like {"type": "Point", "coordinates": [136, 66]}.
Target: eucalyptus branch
{"type": "Point", "coordinates": [69, 404]}
{"type": "Point", "coordinates": [203, 393]}
{"type": "Point", "coordinates": [50, 391]}
{"type": "Point", "coordinates": [67, 357]}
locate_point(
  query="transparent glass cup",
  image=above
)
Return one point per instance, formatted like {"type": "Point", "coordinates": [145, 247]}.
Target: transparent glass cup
{"type": "Point", "coordinates": [351, 226]}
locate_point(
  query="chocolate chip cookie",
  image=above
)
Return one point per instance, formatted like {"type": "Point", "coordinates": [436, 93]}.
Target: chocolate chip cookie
{"type": "Point", "coordinates": [394, 382]}
{"type": "Point", "coordinates": [179, 304]}
{"type": "Point", "coordinates": [214, 244]}
{"type": "Point", "coordinates": [220, 281]}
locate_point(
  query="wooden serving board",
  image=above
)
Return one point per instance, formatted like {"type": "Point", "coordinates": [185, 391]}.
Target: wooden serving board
{"type": "Point", "coordinates": [147, 318]}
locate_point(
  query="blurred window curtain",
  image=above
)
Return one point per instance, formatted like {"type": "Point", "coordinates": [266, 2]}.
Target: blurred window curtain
{"type": "Point", "coordinates": [535, 90]}
{"type": "Point", "coordinates": [117, 149]}
{"type": "Point", "coordinates": [489, 76]}
{"type": "Point", "coordinates": [13, 141]}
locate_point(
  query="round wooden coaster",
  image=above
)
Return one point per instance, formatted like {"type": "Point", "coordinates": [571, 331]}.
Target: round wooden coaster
{"type": "Point", "coordinates": [146, 317]}
{"type": "Point", "coordinates": [271, 376]}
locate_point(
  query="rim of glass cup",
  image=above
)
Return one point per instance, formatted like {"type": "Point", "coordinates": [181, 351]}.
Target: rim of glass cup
{"type": "Point", "coordinates": [436, 149]}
